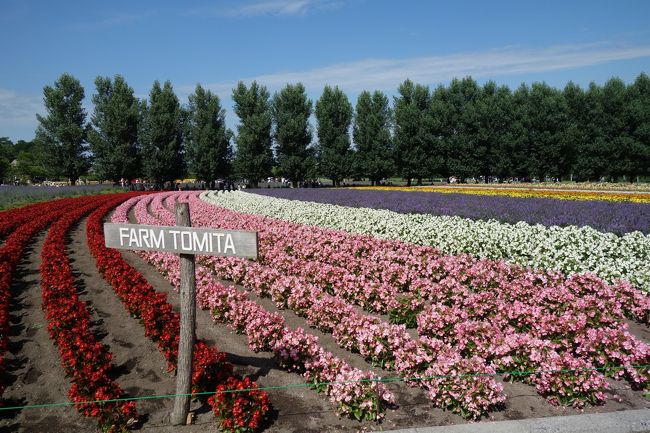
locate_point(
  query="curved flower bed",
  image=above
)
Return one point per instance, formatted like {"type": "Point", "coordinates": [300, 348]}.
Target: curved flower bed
{"type": "Point", "coordinates": [84, 358]}
{"type": "Point", "coordinates": [388, 345]}
{"type": "Point", "coordinates": [513, 318]}
{"type": "Point", "coordinates": [25, 227]}
{"type": "Point", "coordinates": [385, 344]}
{"type": "Point", "coordinates": [618, 218]}
{"type": "Point", "coordinates": [528, 193]}
{"type": "Point", "coordinates": [162, 325]}
{"type": "Point", "coordinates": [352, 391]}
{"type": "Point", "coordinates": [566, 249]}
{"type": "Point", "coordinates": [13, 218]}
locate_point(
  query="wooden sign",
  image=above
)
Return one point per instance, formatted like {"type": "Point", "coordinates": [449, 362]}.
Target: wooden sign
{"type": "Point", "coordinates": [187, 241]}
{"type": "Point", "coordinates": [181, 240]}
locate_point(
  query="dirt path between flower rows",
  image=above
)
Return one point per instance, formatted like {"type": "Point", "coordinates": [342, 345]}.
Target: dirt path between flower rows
{"type": "Point", "coordinates": [33, 371]}
{"type": "Point", "coordinates": [140, 367]}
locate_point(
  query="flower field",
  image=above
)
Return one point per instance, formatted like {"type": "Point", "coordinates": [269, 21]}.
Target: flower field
{"type": "Point", "coordinates": [460, 307]}
{"type": "Point", "coordinates": [71, 324]}
{"type": "Point", "coordinates": [604, 216]}
{"type": "Point", "coordinates": [569, 249]}
{"type": "Point", "coordinates": [357, 307]}
{"type": "Point", "coordinates": [615, 196]}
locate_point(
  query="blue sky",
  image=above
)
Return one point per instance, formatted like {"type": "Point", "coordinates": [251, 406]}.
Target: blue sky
{"type": "Point", "coordinates": [355, 44]}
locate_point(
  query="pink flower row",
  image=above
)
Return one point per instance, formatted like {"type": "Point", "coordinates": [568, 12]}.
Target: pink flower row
{"type": "Point", "coordinates": [351, 390]}
{"type": "Point", "coordinates": [530, 351]}
{"type": "Point", "coordinates": [379, 342]}
{"type": "Point", "coordinates": [544, 305]}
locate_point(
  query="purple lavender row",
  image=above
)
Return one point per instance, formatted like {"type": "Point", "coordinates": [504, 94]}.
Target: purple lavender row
{"type": "Point", "coordinates": [604, 216]}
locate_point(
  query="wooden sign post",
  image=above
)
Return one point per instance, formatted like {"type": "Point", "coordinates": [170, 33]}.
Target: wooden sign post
{"type": "Point", "coordinates": [188, 242]}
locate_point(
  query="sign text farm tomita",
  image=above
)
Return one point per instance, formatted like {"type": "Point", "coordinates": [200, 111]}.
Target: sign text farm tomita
{"type": "Point", "coordinates": [183, 240]}
{"type": "Point", "coordinates": [187, 241]}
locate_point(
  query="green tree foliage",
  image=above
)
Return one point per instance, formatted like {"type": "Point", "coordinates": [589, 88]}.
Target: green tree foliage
{"type": "Point", "coordinates": [495, 144]}
{"type": "Point", "coordinates": [209, 151]}
{"type": "Point", "coordinates": [24, 161]}
{"type": "Point", "coordinates": [638, 104]}
{"type": "Point", "coordinates": [464, 118]}
{"type": "Point", "coordinates": [63, 130]}
{"type": "Point", "coordinates": [549, 152]}
{"type": "Point", "coordinates": [371, 133]}
{"type": "Point", "coordinates": [6, 157]}
{"type": "Point", "coordinates": [441, 133]}
{"type": "Point", "coordinates": [575, 131]}
{"type": "Point", "coordinates": [254, 156]}
{"type": "Point", "coordinates": [31, 165]}
{"type": "Point", "coordinates": [291, 110]}
{"type": "Point", "coordinates": [113, 136]}
{"type": "Point", "coordinates": [334, 116]}
{"type": "Point", "coordinates": [161, 135]}
{"type": "Point", "coordinates": [591, 161]}
{"type": "Point", "coordinates": [626, 155]}
{"type": "Point", "coordinates": [412, 133]}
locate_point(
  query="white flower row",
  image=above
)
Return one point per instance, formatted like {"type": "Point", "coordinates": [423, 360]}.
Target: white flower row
{"type": "Point", "coordinates": [567, 249]}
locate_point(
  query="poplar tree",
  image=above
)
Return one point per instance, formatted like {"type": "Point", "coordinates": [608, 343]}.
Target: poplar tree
{"type": "Point", "coordinates": [494, 146]}
{"type": "Point", "coordinates": [62, 131]}
{"type": "Point", "coordinates": [626, 155]}
{"type": "Point", "coordinates": [549, 149]}
{"type": "Point", "coordinates": [162, 135]}
{"type": "Point", "coordinates": [209, 151]}
{"type": "Point", "coordinates": [334, 115]}
{"type": "Point", "coordinates": [113, 136]}
{"type": "Point", "coordinates": [254, 156]}
{"type": "Point", "coordinates": [411, 134]}
{"type": "Point", "coordinates": [372, 137]}
{"type": "Point", "coordinates": [291, 110]}
{"type": "Point", "coordinates": [639, 121]}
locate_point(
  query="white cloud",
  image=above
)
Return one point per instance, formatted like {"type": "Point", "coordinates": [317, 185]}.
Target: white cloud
{"type": "Point", "coordinates": [269, 7]}
{"type": "Point", "coordinates": [276, 7]}
{"type": "Point", "coordinates": [386, 74]}
{"type": "Point", "coordinates": [19, 109]}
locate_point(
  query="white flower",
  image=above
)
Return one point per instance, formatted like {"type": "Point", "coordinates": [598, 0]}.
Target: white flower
{"type": "Point", "coordinates": [567, 249]}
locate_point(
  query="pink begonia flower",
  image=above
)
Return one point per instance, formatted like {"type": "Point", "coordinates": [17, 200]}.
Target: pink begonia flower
{"type": "Point", "coordinates": [484, 314]}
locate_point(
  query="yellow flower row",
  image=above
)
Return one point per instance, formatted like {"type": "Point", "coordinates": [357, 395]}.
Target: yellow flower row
{"type": "Point", "coordinates": [524, 193]}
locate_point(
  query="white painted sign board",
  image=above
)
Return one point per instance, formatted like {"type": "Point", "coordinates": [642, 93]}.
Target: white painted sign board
{"type": "Point", "coordinates": [187, 241]}
{"type": "Point", "coordinates": [181, 240]}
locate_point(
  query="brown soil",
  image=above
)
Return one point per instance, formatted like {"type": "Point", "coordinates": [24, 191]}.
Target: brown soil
{"type": "Point", "coordinates": [35, 376]}
{"type": "Point", "coordinates": [34, 373]}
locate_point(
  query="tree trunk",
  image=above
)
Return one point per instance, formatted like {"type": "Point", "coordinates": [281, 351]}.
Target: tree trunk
{"type": "Point", "coordinates": [408, 182]}
{"type": "Point", "coordinates": [188, 325]}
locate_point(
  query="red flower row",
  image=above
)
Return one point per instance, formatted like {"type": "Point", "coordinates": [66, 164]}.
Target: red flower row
{"type": "Point", "coordinates": [85, 359]}
{"type": "Point", "coordinates": [13, 218]}
{"type": "Point", "coordinates": [25, 226]}
{"type": "Point", "coordinates": [162, 325]}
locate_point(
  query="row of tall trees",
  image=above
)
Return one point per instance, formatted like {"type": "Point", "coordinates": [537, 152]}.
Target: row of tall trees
{"type": "Point", "coordinates": [466, 130]}
{"type": "Point", "coordinates": [463, 130]}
